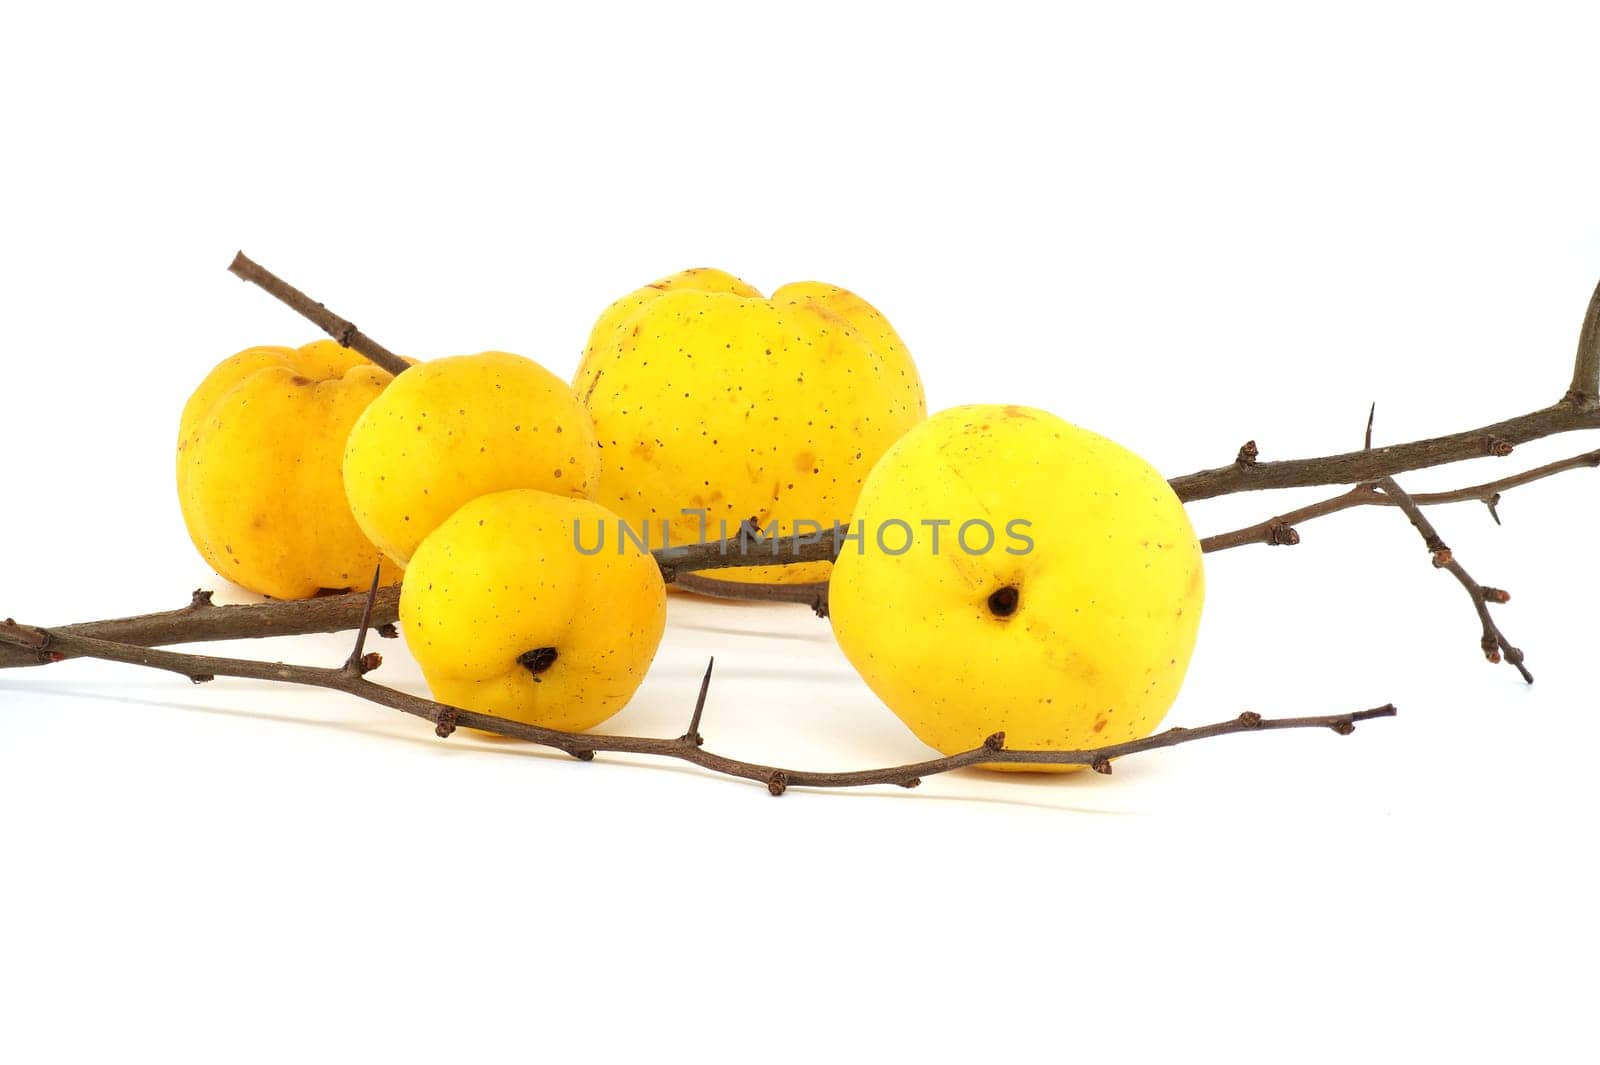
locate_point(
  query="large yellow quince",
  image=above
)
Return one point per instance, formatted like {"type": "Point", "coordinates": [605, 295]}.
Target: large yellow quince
{"type": "Point", "coordinates": [507, 617]}
{"type": "Point", "coordinates": [707, 397]}
{"type": "Point", "coordinates": [259, 450]}
{"type": "Point", "coordinates": [450, 430]}
{"type": "Point", "coordinates": [1060, 605]}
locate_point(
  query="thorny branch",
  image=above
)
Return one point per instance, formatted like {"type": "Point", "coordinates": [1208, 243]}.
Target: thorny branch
{"type": "Point", "coordinates": [203, 621]}
{"type": "Point", "coordinates": [1371, 470]}
{"type": "Point", "coordinates": [1579, 408]}
{"type": "Point", "coordinates": [1284, 529]}
{"type": "Point", "coordinates": [54, 645]}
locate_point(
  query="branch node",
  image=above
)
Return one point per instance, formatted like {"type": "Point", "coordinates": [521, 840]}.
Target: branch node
{"type": "Point", "coordinates": [1101, 765]}
{"type": "Point", "coordinates": [1498, 446]}
{"type": "Point", "coordinates": [582, 754]}
{"type": "Point", "coordinates": [369, 662]}
{"type": "Point", "coordinates": [1343, 727]}
{"type": "Point", "coordinates": [995, 742]}
{"type": "Point", "coordinates": [202, 678]}
{"type": "Point", "coordinates": [1248, 454]}
{"type": "Point", "coordinates": [819, 605]}
{"type": "Point", "coordinates": [1496, 595]}
{"type": "Point", "coordinates": [388, 631]}
{"type": "Point", "coordinates": [199, 599]}
{"type": "Point", "coordinates": [1442, 557]}
{"type": "Point", "coordinates": [778, 782]}
{"type": "Point", "coordinates": [910, 782]}
{"type": "Point", "coordinates": [1250, 719]}
{"type": "Point", "coordinates": [445, 722]}
{"type": "Point", "coordinates": [1282, 535]}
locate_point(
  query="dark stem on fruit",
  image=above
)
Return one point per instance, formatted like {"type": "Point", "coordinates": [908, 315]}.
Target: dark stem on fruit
{"type": "Point", "coordinates": [537, 660]}
{"type": "Point", "coordinates": [1003, 602]}
{"type": "Point", "coordinates": [345, 332]}
{"type": "Point", "coordinates": [687, 748]}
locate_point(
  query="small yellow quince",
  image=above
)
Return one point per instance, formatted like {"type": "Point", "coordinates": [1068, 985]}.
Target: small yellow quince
{"type": "Point", "coordinates": [259, 449]}
{"type": "Point", "coordinates": [507, 617]}
{"type": "Point", "coordinates": [707, 397]}
{"type": "Point", "coordinates": [1018, 574]}
{"type": "Point", "coordinates": [452, 429]}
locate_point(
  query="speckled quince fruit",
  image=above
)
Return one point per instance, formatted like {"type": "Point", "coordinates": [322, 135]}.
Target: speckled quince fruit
{"type": "Point", "coordinates": [707, 397]}
{"type": "Point", "coordinates": [450, 430]}
{"type": "Point", "coordinates": [259, 450]}
{"type": "Point", "coordinates": [507, 617]}
{"type": "Point", "coordinates": [1071, 631]}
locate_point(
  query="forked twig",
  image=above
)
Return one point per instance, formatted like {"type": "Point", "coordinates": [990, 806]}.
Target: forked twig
{"type": "Point", "coordinates": [1284, 528]}
{"type": "Point", "coordinates": [1494, 642]}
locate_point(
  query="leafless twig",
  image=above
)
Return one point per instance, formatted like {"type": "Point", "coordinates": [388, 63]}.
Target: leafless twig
{"type": "Point", "coordinates": [345, 332]}
{"type": "Point", "coordinates": [1494, 642]}
{"type": "Point", "coordinates": [1579, 408]}
{"type": "Point", "coordinates": [1284, 528]}
{"type": "Point", "coordinates": [350, 678]}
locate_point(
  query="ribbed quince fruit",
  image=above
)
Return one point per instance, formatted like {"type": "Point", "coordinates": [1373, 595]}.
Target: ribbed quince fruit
{"type": "Point", "coordinates": [259, 450]}
{"type": "Point", "coordinates": [705, 396]}
{"type": "Point", "coordinates": [450, 430]}
{"type": "Point", "coordinates": [1059, 604]}
{"type": "Point", "coordinates": [507, 617]}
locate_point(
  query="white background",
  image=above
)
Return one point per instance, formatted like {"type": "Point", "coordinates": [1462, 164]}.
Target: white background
{"type": "Point", "coordinates": [1181, 228]}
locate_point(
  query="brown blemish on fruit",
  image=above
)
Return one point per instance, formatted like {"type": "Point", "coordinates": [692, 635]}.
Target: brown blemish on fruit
{"type": "Point", "coordinates": [804, 461]}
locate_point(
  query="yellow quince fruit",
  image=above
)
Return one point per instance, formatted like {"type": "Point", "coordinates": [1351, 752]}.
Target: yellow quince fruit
{"type": "Point", "coordinates": [708, 398]}
{"type": "Point", "coordinates": [507, 617]}
{"type": "Point", "coordinates": [452, 429]}
{"type": "Point", "coordinates": [1018, 574]}
{"type": "Point", "coordinates": [259, 449]}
